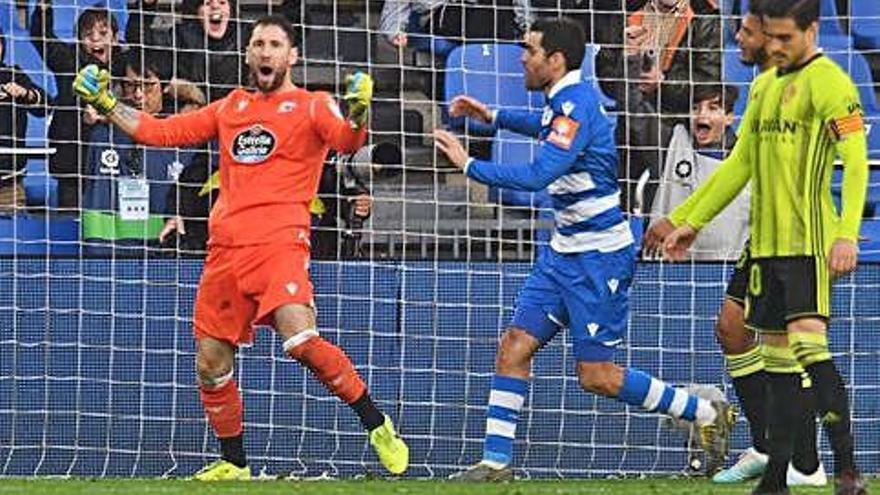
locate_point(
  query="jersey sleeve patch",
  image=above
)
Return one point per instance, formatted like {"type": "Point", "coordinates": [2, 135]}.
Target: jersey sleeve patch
{"type": "Point", "coordinates": [844, 126]}
{"type": "Point", "coordinates": [563, 131]}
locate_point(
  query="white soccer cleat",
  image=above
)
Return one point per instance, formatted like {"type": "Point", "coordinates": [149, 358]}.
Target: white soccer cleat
{"type": "Point", "coordinates": [797, 478]}
{"type": "Point", "coordinates": [750, 465]}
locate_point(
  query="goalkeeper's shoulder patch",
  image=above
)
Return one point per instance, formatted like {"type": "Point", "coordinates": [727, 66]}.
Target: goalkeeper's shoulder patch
{"type": "Point", "coordinates": [844, 126]}
{"type": "Point", "coordinates": [563, 130]}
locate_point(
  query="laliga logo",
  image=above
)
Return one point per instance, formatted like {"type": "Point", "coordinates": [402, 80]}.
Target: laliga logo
{"type": "Point", "coordinates": [253, 145]}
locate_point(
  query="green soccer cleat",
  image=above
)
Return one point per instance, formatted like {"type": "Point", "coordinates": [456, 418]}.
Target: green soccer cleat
{"type": "Point", "coordinates": [715, 436]}
{"type": "Point", "coordinates": [391, 449]}
{"type": "Point", "coordinates": [221, 470]}
{"type": "Point", "coordinates": [483, 472]}
{"type": "Point", "coordinates": [750, 465]}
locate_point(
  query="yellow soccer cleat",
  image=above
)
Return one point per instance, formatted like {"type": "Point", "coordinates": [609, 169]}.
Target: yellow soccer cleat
{"type": "Point", "coordinates": [221, 470]}
{"type": "Point", "coordinates": [391, 449]}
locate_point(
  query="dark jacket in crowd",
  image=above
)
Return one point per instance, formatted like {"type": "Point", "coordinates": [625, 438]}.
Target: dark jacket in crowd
{"type": "Point", "coordinates": [217, 66]}
{"type": "Point", "coordinates": [14, 119]}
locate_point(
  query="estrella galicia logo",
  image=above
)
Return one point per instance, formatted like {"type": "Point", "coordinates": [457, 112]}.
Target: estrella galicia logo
{"type": "Point", "coordinates": [253, 145]}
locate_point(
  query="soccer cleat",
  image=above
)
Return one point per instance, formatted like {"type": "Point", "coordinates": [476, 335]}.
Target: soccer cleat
{"type": "Point", "coordinates": [759, 491]}
{"type": "Point", "coordinates": [391, 449]}
{"type": "Point", "coordinates": [715, 436]}
{"type": "Point", "coordinates": [221, 470]}
{"type": "Point", "coordinates": [850, 482]}
{"type": "Point", "coordinates": [796, 478]}
{"type": "Point", "coordinates": [483, 472]}
{"type": "Point", "coordinates": [750, 465]}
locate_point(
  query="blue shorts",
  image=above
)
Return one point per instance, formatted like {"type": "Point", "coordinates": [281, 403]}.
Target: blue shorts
{"type": "Point", "coordinates": [586, 292]}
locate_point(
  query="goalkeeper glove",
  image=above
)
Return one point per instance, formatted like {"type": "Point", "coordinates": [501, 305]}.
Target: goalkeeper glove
{"type": "Point", "coordinates": [93, 86]}
{"type": "Point", "coordinates": [358, 96]}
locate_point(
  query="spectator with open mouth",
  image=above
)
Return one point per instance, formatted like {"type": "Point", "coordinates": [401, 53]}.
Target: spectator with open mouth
{"type": "Point", "coordinates": [210, 41]}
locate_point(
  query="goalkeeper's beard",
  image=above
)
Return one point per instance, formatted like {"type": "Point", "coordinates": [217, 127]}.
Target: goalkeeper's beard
{"type": "Point", "coordinates": [275, 83]}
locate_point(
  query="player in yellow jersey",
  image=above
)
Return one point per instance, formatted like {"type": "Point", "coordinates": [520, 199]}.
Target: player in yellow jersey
{"type": "Point", "coordinates": [800, 117]}
{"type": "Point", "coordinates": [742, 352]}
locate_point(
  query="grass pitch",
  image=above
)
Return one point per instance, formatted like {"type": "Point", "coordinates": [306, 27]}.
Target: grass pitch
{"type": "Point", "coordinates": [49, 486]}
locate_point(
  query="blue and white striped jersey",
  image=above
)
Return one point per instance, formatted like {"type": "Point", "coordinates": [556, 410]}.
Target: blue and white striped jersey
{"type": "Point", "coordinates": [577, 163]}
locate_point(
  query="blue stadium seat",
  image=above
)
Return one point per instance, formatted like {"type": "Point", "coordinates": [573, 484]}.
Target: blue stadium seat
{"type": "Point", "coordinates": [40, 188]}
{"type": "Point", "coordinates": [493, 74]}
{"type": "Point", "coordinates": [738, 74]}
{"type": "Point", "coordinates": [66, 12]}
{"type": "Point", "coordinates": [21, 52]}
{"type": "Point", "coordinates": [865, 24]}
{"type": "Point", "coordinates": [855, 64]}
{"type": "Point", "coordinates": [34, 235]}
{"type": "Point", "coordinates": [873, 196]}
{"type": "Point", "coordinates": [869, 244]}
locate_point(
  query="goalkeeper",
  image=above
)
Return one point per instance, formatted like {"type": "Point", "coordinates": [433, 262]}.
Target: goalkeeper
{"type": "Point", "coordinates": [272, 147]}
{"type": "Point", "coordinates": [800, 117]}
{"type": "Point", "coordinates": [582, 281]}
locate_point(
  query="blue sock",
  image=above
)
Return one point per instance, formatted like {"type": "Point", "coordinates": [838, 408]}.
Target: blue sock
{"type": "Point", "coordinates": [505, 402]}
{"type": "Point", "coordinates": [642, 390]}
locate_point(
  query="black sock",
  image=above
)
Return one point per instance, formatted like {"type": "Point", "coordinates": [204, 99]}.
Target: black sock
{"type": "Point", "coordinates": [370, 415]}
{"type": "Point", "coordinates": [782, 413]}
{"type": "Point", "coordinates": [833, 406]}
{"type": "Point", "coordinates": [232, 450]}
{"type": "Point", "coordinates": [752, 393]}
{"type": "Point", "coordinates": [805, 458]}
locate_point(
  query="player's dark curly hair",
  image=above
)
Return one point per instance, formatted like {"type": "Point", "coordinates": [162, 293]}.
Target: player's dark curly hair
{"type": "Point", "coordinates": [804, 12]}
{"type": "Point", "coordinates": [281, 22]}
{"type": "Point", "coordinates": [562, 35]}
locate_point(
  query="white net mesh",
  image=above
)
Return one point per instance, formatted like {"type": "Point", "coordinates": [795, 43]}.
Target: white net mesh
{"type": "Point", "coordinates": [96, 349]}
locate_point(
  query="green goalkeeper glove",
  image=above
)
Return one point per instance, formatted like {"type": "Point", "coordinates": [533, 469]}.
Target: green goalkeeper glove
{"type": "Point", "coordinates": [93, 86]}
{"type": "Point", "coordinates": [358, 97]}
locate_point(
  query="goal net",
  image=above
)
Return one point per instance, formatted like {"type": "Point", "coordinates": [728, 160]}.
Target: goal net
{"type": "Point", "coordinates": [97, 373]}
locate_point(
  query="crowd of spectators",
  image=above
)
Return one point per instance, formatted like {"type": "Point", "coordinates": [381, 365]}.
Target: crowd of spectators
{"type": "Point", "coordinates": [659, 62]}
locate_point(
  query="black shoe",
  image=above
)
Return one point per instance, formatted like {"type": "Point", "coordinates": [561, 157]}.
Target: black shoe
{"type": "Point", "coordinates": [850, 482]}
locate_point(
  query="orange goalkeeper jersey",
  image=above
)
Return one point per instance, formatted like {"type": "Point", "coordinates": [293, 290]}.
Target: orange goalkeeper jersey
{"type": "Point", "coordinates": [272, 150]}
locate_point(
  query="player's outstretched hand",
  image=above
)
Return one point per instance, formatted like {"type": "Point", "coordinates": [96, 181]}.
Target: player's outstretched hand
{"type": "Point", "coordinates": [844, 257]}
{"type": "Point", "coordinates": [451, 147]}
{"type": "Point", "coordinates": [172, 225]}
{"type": "Point", "coordinates": [358, 96]}
{"type": "Point", "coordinates": [93, 86]}
{"type": "Point", "coordinates": [652, 241]}
{"type": "Point", "coordinates": [466, 106]}
{"type": "Point", "coordinates": [678, 243]}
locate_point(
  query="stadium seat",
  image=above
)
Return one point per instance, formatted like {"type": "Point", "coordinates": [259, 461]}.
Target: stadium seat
{"type": "Point", "coordinates": [35, 235]}
{"type": "Point", "coordinates": [865, 24]}
{"type": "Point", "coordinates": [855, 64]}
{"type": "Point", "coordinates": [493, 73]}
{"type": "Point", "coordinates": [872, 199]}
{"type": "Point", "coordinates": [740, 75]}
{"type": "Point", "coordinates": [66, 13]}
{"type": "Point", "coordinates": [869, 244]}
{"type": "Point", "coordinates": [21, 52]}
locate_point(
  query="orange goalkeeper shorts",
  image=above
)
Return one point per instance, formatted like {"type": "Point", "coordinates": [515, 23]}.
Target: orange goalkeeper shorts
{"type": "Point", "coordinates": [242, 287]}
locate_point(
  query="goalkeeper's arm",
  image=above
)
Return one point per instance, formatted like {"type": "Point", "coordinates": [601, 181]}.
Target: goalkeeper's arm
{"type": "Point", "coordinates": [93, 86]}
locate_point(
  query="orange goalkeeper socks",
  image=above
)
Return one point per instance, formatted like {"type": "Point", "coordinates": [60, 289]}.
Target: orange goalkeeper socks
{"type": "Point", "coordinates": [328, 363]}
{"type": "Point", "coordinates": [223, 408]}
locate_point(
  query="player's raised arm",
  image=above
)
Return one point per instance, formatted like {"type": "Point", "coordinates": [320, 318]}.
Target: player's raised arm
{"type": "Point", "coordinates": [345, 134]}
{"type": "Point", "coordinates": [93, 86]}
{"type": "Point", "coordinates": [519, 121]}
{"type": "Point", "coordinates": [567, 137]}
